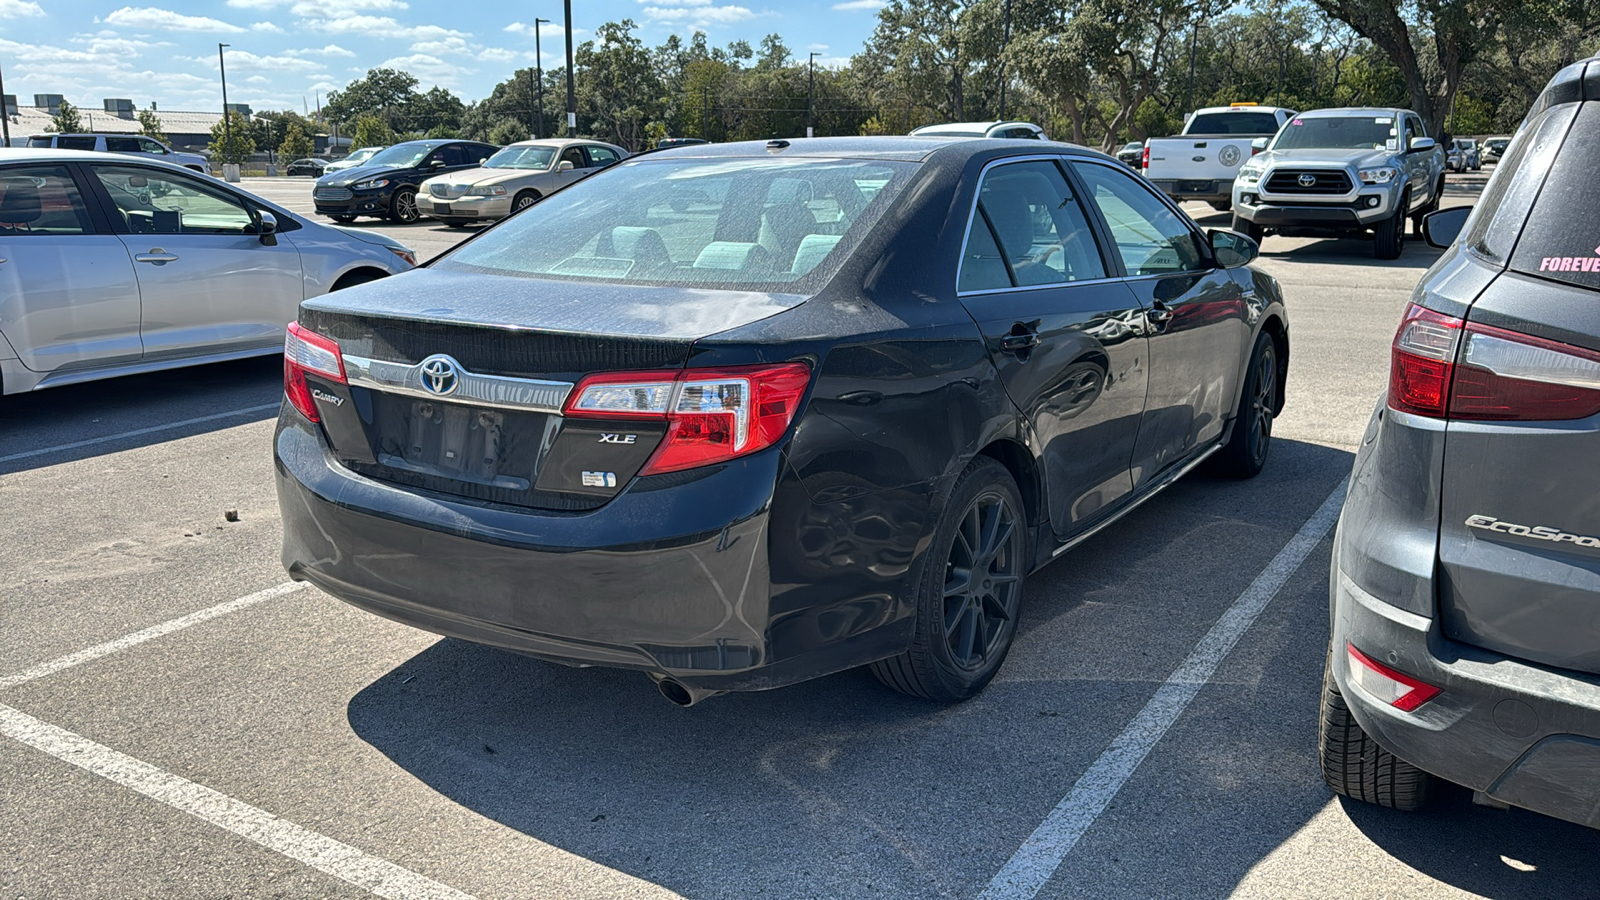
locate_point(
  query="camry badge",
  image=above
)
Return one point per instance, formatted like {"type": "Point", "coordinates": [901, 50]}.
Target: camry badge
{"type": "Point", "coordinates": [326, 397]}
{"type": "Point", "coordinates": [1308, 180]}
{"type": "Point", "coordinates": [439, 375]}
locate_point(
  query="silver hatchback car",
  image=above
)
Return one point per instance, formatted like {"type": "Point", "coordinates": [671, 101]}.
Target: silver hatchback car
{"type": "Point", "coordinates": [1465, 596]}
{"type": "Point", "coordinates": [111, 265]}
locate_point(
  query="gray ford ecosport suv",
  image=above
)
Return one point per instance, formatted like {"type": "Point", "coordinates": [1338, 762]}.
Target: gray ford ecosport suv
{"type": "Point", "coordinates": [1465, 587]}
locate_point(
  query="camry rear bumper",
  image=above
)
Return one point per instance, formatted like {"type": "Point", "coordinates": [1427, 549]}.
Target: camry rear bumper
{"type": "Point", "coordinates": [672, 578]}
{"type": "Point", "coordinates": [1523, 734]}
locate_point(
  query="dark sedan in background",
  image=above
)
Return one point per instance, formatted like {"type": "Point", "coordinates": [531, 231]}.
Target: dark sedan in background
{"type": "Point", "coordinates": [385, 186]}
{"type": "Point", "coordinates": [309, 166]}
{"type": "Point", "coordinates": [748, 414]}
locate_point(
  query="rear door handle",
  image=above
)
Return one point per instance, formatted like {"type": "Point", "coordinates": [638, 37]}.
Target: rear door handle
{"type": "Point", "coordinates": [157, 256]}
{"type": "Point", "coordinates": [1018, 343]}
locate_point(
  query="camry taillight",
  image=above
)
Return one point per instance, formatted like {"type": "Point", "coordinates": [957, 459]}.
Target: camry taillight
{"type": "Point", "coordinates": [1445, 368]}
{"type": "Point", "coordinates": [1395, 688]}
{"type": "Point", "coordinates": [712, 415]}
{"type": "Point", "coordinates": [1145, 164]}
{"type": "Point", "coordinates": [306, 351]}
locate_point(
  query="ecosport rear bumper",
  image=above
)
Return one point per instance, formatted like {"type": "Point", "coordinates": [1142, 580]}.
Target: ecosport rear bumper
{"type": "Point", "coordinates": [1525, 735]}
{"type": "Point", "coordinates": [673, 577]}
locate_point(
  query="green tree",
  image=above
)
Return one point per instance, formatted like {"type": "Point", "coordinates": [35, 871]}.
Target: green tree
{"type": "Point", "coordinates": [508, 131]}
{"type": "Point", "coordinates": [620, 92]}
{"type": "Point", "coordinates": [231, 141]}
{"type": "Point", "coordinates": [66, 120]}
{"type": "Point", "coordinates": [150, 125]}
{"type": "Point", "coordinates": [385, 93]}
{"type": "Point", "coordinates": [372, 131]}
{"type": "Point", "coordinates": [295, 144]}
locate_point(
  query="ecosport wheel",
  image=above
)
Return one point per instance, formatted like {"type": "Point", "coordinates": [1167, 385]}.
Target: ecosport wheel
{"type": "Point", "coordinates": [1355, 766]}
{"type": "Point", "coordinates": [1245, 454]}
{"type": "Point", "coordinates": [1248, 228]}
{"type": "Point", "coordinates": [1389, 236]}
{"type": "Point", "coordinates": [403, 208]}
{"type": "Point", "coordinates": [524, 200]}
{"type": "Point", "coordinates": [970, 592]}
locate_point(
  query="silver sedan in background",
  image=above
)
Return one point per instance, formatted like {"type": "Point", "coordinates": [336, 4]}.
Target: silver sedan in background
{"type": "Point", "coordinates": [512, 179]}
{"type": "Point", "coordinates": [111, 265]}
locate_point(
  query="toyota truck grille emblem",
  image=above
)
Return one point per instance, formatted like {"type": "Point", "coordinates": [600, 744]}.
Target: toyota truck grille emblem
{"type": "Point", "coordinates": [439, 375]}
{"type": "Point", "coordinates": [1308, 180]}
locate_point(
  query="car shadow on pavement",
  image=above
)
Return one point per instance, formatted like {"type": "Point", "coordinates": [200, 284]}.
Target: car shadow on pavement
{"type": "Point", "coordinates": [1353, 252]}
{"type": "Point", "coordinates": [839, 787]}
{"type": "Point", "coordinates": [134, 409]}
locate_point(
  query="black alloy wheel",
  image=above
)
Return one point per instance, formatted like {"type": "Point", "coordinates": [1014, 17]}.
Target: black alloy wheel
{"type": "Point", "coordinates": [971, 592]}
{"type": "Point", "coordinates": [1245, 454]}
{"type": "Point", "coordinates": [403, 208]}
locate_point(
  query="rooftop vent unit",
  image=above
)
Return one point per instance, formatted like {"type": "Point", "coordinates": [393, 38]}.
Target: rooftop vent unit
{"type": "Point", "coordinates": [122, 109]}
{"type": "Point", "coordinates": [49, 102]}
{"type": "Point", "coordinates": [241, 109]}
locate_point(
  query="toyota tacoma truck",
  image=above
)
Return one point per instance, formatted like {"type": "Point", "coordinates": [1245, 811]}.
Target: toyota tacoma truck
{"type": "Point", "coordinates": [1199, 164]}
{"type": "Point", "coordinates": [1342, 172]}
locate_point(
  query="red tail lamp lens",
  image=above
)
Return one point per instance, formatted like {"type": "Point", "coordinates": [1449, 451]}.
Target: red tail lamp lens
{"type": "Point", "coordinates": [306, 351]}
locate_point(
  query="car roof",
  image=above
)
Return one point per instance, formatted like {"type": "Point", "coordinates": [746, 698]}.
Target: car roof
{"type": "Point", "coordinates": [48, 154]}
{"type": "Point", "coordinates": [1352, 111]}
{"type": "Point", "coordinates": [557, 142]}
{"type": "Point", "coordinates": [969, 129]}
{"type": "Point", "coordinates": [908, 148]}
{"type": "Point", "coordinates": [1254, 107]}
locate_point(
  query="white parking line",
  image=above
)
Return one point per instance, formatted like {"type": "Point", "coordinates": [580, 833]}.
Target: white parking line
{"type": "Point", "coordinates": [27, 454]}
{"type": "Point", "coordinates": [52, 666]}
{"type": "Point", "coordinates": [320, 852]}
{"type": "Point", "coordinates": [1041, 854]}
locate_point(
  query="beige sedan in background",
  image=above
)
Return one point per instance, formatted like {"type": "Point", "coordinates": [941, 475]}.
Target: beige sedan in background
{"type": "Point", "coordinates": [512, 179]}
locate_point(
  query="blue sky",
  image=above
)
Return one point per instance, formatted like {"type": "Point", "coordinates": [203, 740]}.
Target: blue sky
{"type": "Point", "coordinates": [285, 50]}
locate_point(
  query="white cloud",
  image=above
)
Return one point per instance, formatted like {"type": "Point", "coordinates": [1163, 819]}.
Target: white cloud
{"type": "Point", "coordinates": [243, 62]}
{"type": "Point", "coordinates": [327, 9]}
{"type": "Point", "coordinates": [695, 14]}
{"type": "Point", "coordinates": [256, 4]}
{"type": "Point", "coordinates": [167, 20]}
{"type": "Point", "coordinates": [329, 50]}
{"type": "Point", "coordinates": [267, 27]}
{"type": "Point", "coordinates": [17, 9]}
{"type": "Point", "coordinates": [677, 2]}
{"type": "Point", "coordinates": [859, 4]}
{"type": "Point", "coordinates": [380, 27]}
{"type": "Point", "coordinates": [550, 31]}
{"type": "Point", "coordinates": [430, 70]}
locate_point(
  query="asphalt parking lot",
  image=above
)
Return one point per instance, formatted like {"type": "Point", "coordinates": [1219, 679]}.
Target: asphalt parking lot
{"type": "Point", "coordinates": [176, 723]}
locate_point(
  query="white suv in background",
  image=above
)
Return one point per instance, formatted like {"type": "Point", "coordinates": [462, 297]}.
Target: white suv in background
{"type": "Point", "coordinates": [121, 143]}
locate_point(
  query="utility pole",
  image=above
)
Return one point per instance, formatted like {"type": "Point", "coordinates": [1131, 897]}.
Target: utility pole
{"type": "Point", "coordinates": [572, 96]}
{"type": "Point", "coordinates": [1005, 41]}
{"type": "Point", "coordinates": [227, 121]}
{"type": "Point", "coordinates": [538, 65]}
{"type": "Point", "coordinates": [5, 115]}
{"type": "Point", "coordinates": [705, 115]}
{"type": "Point", "coordinates": [811, 94]}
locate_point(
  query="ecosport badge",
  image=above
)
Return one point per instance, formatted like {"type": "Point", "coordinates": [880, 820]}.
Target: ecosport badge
{"type": "Point", "coordinates": [1537, 532]}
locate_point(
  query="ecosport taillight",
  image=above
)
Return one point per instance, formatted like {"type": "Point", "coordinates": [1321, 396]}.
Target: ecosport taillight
{"type": "Point", "coordinates": [306, 351]}
{"type": "Point", "coordinates": [1395, 688]}
{"type": "Point", "coordinates": [1145, 164]}
{"type": "Point", "coordinates": [712, 415]}
{"type": "Point", "coordinates": [1443, 367]}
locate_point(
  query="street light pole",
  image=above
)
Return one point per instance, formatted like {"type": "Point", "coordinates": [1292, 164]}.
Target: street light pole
{"type": "Point", "coordinates": [811, 94]}
{"type": "Point", "coordinates": [1005, 41]}
{"type": "Point", "coordinates": [538, 65]}
{"type": "Point", "coordinates": [227, 121]}
{"type": "Point", "coordinates": [572, 97]}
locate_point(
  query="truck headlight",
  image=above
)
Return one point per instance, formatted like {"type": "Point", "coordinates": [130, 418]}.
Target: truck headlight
{"type": "Point", "coordinates": [1380, 175]}
{"type": "Point", "coordinates": [1250, 174]}
{"type": "Point", "coordinates": [494, 190]}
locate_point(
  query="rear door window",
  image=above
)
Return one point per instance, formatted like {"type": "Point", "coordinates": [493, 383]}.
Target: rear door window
{"type": "Point", "coordinates": [40, 200]}
{"type": "Point", "coordinates": [1028, 230]}
{"type": "Point", "coordinates": [1561, 240]}
{"type": "Point", "coordinates": [600, 157]}
{"type": "Point", "coordinates": [123, 145]}
{"type": "Point", "coordinates": [75, 142]}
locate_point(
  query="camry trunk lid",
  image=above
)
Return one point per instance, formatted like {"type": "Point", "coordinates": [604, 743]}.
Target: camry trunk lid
{"type": "Point", "coordinates": [456, 381]}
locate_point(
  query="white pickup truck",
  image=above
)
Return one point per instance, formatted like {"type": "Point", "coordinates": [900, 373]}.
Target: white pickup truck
{"type": "Point", "coordinates": [1199, 163]}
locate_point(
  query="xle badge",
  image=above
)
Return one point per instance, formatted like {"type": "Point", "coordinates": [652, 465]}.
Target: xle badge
{"type": "Point", "coordinates": [600, 479]}
{"type": "Point", "coordinates": [618, 438]}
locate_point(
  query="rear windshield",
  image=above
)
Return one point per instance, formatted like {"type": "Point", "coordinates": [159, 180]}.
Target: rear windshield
{"type": "Point", "coordinates": [742, 224]}
{"type": "Point", "coordinates": [1339, 133]}
{"type": "Point", "coordinates": [1561, 239]}
{"type": "Point", "coordinates": [1233, 123]}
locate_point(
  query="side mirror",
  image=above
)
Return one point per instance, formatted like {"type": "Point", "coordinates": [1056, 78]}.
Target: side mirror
{"type": "Point", "coordinates": [482, 160]}
{"type": "Point", "coordinates": [267, 227]}
{"type": "Point", "coordinates": [437, 164]}
{"type": "Point", "coordinates": [564, 166]}
{"type": "Point", "coordinates": [1231, 249]}
{"type": "Point", "coordinates": [1420, 144]}
{"type": "Point", "coordinates": [1441, 228]}
{"type": "Point", "coordinates": [1260, 144]}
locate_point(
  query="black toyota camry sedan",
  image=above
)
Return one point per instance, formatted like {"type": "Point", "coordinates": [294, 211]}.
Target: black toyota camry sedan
{"type": "Point", "coordinates": [741, 415]}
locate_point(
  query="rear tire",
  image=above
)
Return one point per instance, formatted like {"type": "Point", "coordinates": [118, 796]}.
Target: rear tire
{"type": "Point", "coordinates": [1248, 228]}
{"type": "Point", "coordinates": [970, 592]}
{"type": "Point", "coordinates": [1245, 454]}
{"type": "Point", "coordinates": [1355, 766]}
{"type": "Point", "coordinates": [1389, 237]}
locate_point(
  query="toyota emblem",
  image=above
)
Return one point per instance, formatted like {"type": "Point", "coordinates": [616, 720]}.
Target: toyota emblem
{"type": "Point", "coordinates": [439, 375]}
{"type": "Point", "coordinates": [1308, 180]}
